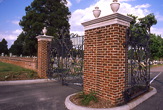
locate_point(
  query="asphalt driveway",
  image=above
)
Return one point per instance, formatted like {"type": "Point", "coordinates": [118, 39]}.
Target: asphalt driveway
{"type": "Point", "coordinates": [51, 95]}
{"type": "Point", "coordinates": [42, 96]}
{"type": "Point", "coordinates": [155, 102]}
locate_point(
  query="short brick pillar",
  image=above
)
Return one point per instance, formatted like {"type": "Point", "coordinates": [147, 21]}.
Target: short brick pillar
{"type": "Point", "coordinates": [105, 57]}
{"type": "Point", "coordinates": [43, 42]}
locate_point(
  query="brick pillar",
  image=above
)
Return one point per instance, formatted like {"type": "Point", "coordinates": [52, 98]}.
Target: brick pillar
{"type": "Point", "coordinates": [104, 57]}
{"type": "Point", "coordinates": [43, 42]}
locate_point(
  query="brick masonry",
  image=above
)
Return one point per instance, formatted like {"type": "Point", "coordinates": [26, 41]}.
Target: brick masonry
{"type": "Point", "coordinates": [42, 56]}
{"type": "Point", "coordinates": [29, 63]}
{"type": "Point", "coordinates": [39, 64]}
{"type": "Point", "coordinates": [104, 62]}
{"type": "Point", "coordinates": [43, 43]}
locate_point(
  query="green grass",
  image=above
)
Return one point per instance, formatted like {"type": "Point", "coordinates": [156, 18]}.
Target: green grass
{"type": "Point", "coordinates": [13, 72]}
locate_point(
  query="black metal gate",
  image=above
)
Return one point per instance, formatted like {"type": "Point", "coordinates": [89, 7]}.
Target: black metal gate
{"type": "Point", "coordinates": [66, 60]}
{"type": "Point", "coordinates": [137, 65]}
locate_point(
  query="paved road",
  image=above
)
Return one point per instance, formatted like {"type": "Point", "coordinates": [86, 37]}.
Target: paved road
{"type": "Point", "coordinates": [157, 69]}
{"type": "Point", "coordinates": [42, 96]}
{"type": "Point", "coordinates": [156, 101]}
{"type": "Point", "coordinates": [51, 96]}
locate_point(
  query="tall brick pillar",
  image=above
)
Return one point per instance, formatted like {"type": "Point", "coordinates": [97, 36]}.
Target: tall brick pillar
{"type": "Point", "coordinates": [104, 57]}
{"type": "Point", "coordinates": [43, 42]}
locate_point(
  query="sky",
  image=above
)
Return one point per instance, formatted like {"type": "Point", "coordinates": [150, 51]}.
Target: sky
{"type": "Point", "coordinates": [12, 11]}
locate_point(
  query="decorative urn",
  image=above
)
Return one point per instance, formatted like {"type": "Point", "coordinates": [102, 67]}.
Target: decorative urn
{"type": "Point", "coordinates": [44, 31]}
{"type": "Point", "coordinates": [96, 12]}
{"type": "Point", "coordinates": [115, 6]}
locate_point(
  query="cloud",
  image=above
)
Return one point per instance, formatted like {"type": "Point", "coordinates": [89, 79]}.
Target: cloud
{"type": "Point", "coordinates": [125, 0]}
{"type": "Point", "coordinates": [10, 36]}
{"type": "Point", "coordinates": [78, 1]}
{"type": "Point", "coordinates": [81, 15]}
{"type": "Point", "coordinates": [159, 17]}
{"type": "Point", "coordinates": [69, 4]}
{"type": "Point", "coordinates": [15, 22]}
{"type": "Point", "coordinates": [126, 8]}
{"type": "Point", "coordinates": [157, 31]}
{"type": "Point", "coordinates": [143, 6]}
{"type": "Point", "coordinates": [78, 32]}
{"type": "Point", "coordinates": [17, 32]}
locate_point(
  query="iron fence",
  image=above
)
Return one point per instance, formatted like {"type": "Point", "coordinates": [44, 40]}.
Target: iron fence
{"type": "Point", "coordinates": [66, 60]}
{"type": "Point", "coordinates": [137, 66]}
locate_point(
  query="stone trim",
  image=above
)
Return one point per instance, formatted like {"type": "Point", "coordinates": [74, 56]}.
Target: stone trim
{"type": "Point", "coordinates": [71, 106]}
{"type": "Point", "coordinates": [45, 38]}
{"type": "Point", "coordinates": [115, 18]}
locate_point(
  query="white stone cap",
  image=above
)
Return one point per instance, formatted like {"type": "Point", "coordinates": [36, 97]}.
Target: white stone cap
{"type": "Point", "coordinates": [115, 18]}
{"type": "Point", "coordinates": [44, 37]}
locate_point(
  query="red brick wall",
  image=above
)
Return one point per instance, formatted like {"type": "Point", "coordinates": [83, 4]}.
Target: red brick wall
{"type": "Point", "coordinates": [43, 58]}
{"type": "Point", "coordinates": [104, 62]}
{"type": "Point", "coordinates": [29, 63]}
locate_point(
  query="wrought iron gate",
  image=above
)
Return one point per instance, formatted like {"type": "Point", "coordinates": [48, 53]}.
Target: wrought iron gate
{"type": "Point", "coordinates": [66, 60]}
{"type": "Point", "coordinates": [137, 65]}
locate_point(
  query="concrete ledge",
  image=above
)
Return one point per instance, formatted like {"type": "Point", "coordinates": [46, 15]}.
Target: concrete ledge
{"type": "Point", "coordinates": [25, 81]}
{"type": "Point", "coordinates": [115, 18]}
{"type": "Point", "coordinates": [129, 106]}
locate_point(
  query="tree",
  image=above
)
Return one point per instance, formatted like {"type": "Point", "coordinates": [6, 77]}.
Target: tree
{"type": "Point", "coordinates": [17, 47]}
{"type": "Point", "coordinates": [156, 47]}
{"type": "Point", "coordinates": [148, 21]}
{"type": "Point", "coordinates": [140, 33]}
{"type": "Point", "coordinates": [142, 29]}
{"type": "Point", "coordinates": [144, 24]}
{"type": "Point", "coordinates": [3, 47]}
{"type": "Point", "coordinates": [53, 14]}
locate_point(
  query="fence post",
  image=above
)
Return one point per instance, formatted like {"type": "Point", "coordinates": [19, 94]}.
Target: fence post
{"type": "Point", "coordinates": [43, 42]}
{"type": "Point", "coordinates": [104, 57]}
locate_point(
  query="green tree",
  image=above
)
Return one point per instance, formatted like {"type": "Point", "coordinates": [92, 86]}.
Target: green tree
{"type": "Point", "coordinates": [148, 21]}
{"type": "Point", "coordinates": [156, 47]}
{"type": "Point", "coordinates": [3, 46]}
{"type": "Point", "coordinates": [17, 47]}
{"type": "Point", "coordinates": [53, 14]}
{"type": "Point", "coordinates": [140, 34]}
{"type": "Point", "coordinates": [142, 25]}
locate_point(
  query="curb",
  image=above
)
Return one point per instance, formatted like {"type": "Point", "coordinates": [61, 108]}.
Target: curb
{"type": "Point", "coordinates": [17, 82]}
{"type": "Point", "coordinates": [129, 106]}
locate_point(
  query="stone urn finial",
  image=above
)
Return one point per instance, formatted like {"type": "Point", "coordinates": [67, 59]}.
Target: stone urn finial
{"type": "Point", "coordinates": [96, 12]}
{"type": "Point", "coordinates": [115, 6]}
{"type": "Point", "coordinates": [44, 31]}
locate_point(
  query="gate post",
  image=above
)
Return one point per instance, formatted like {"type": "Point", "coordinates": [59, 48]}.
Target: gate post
{"type": "Point", "coordinates": [105, 57]}
{"type": "Point", "coordinates": [43, 43]}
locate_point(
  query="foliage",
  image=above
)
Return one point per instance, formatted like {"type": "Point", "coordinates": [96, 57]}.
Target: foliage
{"type": "Point", "coordinates": [3, 47]}
{"type": "Point", "coordinates": [148, 21]}
{"type": "Point", "coordinates": [144, 23]}
{"type": "Point", "coordinates": [156, 47]}
{"type": "Point", "coordinates": [10, 72]}
{"type": "Point", "coordinates": [140, 33]}
{"type": "Point", "coordinates": [17, 47]}
{"type": "Point", "coordinates": [87, 98]}
{"type": "Point", "coordinates": [53, 14]}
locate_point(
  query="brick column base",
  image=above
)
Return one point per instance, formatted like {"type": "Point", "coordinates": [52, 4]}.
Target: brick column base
{"type": "Point", "coordinates": [105, 56]}
{"type": "Point", "coordinates": [43, 42]}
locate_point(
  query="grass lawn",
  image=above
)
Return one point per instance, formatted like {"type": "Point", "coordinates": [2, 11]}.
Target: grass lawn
{"type": "Point", "coordinates": [13, 72]}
